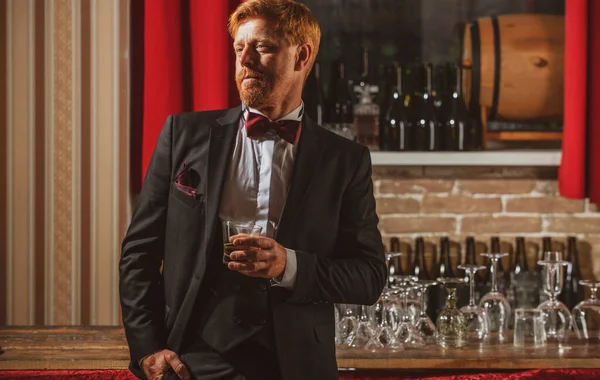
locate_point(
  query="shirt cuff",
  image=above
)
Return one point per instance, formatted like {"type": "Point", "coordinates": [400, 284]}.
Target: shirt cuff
{"type": "Point", "coordinates": [289, 274]}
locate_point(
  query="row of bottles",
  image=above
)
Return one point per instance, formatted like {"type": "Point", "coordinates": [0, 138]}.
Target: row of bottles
{"type": "Point", "coordinates": [409, 108]}
{"type": "Point", "coordinates": [517, 278]}
{"type": "Point", "coordinates": [428, 117]}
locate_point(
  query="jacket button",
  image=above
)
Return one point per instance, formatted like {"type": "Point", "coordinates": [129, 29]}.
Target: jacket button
{"type": "Point", "coordinates": [236, 287]}
{"type": "Point", "coordinates": [262, 321]}
{"type": "Point", "coordinates": [263, 286]}
{"type": "Point", "coordinates": [237, 319]}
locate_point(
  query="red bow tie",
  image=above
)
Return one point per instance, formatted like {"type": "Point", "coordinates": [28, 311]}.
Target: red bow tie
{"type": "Point", "coordinates": [257, 125]}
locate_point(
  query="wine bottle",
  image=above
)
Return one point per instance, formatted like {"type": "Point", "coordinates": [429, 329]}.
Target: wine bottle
{"type": "Point", "coordinates": [403, 135]}
{"type": "Point", "coordinates": [501, 277]}
{"type": "Point", "coordinates": [340, 116]}
{"type": "Point", "coordinates": [471, 259]}
{"type": "Point", "coordinates": [474, 126]}
{"type": "Point", "coordinates": [424, 113]}
{"type": "Point", "coordinates": [418, 266]}
{"type": "Point", "coordinates": [546, 247]}
{"type": "Point", "coordinates": [394, 119]}
{"type": "Point", "coordinates": [439, 91]}
{"type": "Point", "coordinates": [396, 264]}
{"type": "Point", "coordinates": [314, 99]}
{"type": "Point", "coordinates": [457, 122]}
{"type": "Point", "coordinates": [443, 269]}
{"type": "Point", "coordinates": [444, 266]}
{"type": "Point", "coordinates": [525, 284]}
{"type": "Point", "coordinates": [387, 90]}
{"type": "Point", "coordinates": [572, 292]}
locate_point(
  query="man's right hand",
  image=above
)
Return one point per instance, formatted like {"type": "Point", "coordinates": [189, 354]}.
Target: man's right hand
{"type": "Point", "coordinates": [157, 364]}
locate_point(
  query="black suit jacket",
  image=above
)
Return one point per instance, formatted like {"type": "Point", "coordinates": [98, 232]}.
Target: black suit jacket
{"type": "Point", "coordinates": [329, 219]}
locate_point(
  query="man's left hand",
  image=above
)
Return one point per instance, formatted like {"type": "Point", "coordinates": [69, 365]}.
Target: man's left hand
{"type": "Point", "coordinates": [258, 256]}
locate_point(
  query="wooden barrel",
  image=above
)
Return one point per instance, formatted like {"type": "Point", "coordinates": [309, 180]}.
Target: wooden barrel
{"type": "Point", "coordinates": [516, 66]}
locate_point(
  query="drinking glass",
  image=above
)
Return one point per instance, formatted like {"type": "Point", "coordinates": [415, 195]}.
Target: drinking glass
{"type": "Point", "coordinates": [386, 315]}
{"type": "Point", "coordinates": [557, 315]}
{"type": "Point", "coordinates": [406, 332]}
{"type": "Point", "coordinates": [336, 312]}
{"type": "Point", "coordinates": [348, 321]}
{"type": "Point", "coordinates": [495, 303]}
{"type": "Point", "coordinates": [529, 328]}
{"type": "Point", "coordinates": [388, 259]}
{"type": "Point", "coordinates": [451, 330]}
{"type": "Point", "coordinates": [386, 320]}
{"type": "Point", "coordinates": [230, 229]}
{"type": "Point", "coordinates": [363, 333]}
{"type": "Point", "coordinates": [424, 324]}
{"type": "Point", "coordinates": [477, 318]}
{"type": "Point", "coordinates": [388, 306]}
{"type": "Point", "coordinates": [586, 314]}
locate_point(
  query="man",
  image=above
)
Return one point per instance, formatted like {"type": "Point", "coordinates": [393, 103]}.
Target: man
{"type": "Point", "coordinates": [269, 313]}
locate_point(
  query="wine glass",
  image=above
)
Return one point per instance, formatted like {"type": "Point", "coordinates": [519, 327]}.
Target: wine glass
{"type": "Point", "coordinates": [424, 324]}
{"type": "Point", "coordinates": [406, 332]}
{"type": "Point", "coordinates": [388, 259]}
{"type": "Point", "coordinates": [586, 314]}
{"type": "Point", "coordinates": [347, 323]}
{"type": "Point", "coordinates": [386, 319]}
{"type": "Point", "coordinates": [363, 333]}
{"type": "Point", "coordinates": [451, 330]}
{"type": "Point", "coordinates": [557, 315]}
{"type": "Point", "coordinates": [477, 318]}
{"type": "Point", "coordinates": [387, 312]}
{"type": "Point", "coordinates": [389, 297]}
{"type": "Point", "coordinates": [495, 303]}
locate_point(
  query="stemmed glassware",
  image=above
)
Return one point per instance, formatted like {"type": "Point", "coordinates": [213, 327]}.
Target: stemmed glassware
{"type": "Point", "coordinates": [347, 323]}
{"type": "Point", "coordinates": [386, 315]}
{"type": "Point", "coordinates": [363, 333]}
{"type": "Point", "coordinates": [495, 303]}
{"type": "Point", "coordinates": [424, 324]}
{"type": "Point", "coordinates": [586, 314]}
{"type": "Point", "coordinates": [477, 318]}
{"type": "Point", "coordinates": [406, 332]}
{"type": "Point", "coordinates": [386, 318]}
{"type": "Point", "coordinates": [451, 330]}
{"type": "Point", "coordinates": [557, 315]}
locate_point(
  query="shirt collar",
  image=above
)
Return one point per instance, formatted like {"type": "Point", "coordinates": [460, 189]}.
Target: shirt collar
{"type": "Point", "coordinates": [295, 114]}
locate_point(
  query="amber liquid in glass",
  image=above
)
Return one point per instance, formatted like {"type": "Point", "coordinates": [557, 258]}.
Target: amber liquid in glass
{"type": "Point", "coordinates": [228, 248]}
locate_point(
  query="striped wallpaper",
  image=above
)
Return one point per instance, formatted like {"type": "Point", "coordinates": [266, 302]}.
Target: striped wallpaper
{"type": "Point", "coordinates": [64, 158]}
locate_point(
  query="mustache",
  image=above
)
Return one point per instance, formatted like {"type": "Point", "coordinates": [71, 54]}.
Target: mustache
{"type": "Point", "coordinates": [248, 73]}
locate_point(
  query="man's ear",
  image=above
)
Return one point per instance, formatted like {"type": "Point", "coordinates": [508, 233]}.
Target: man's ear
{"type": "Point", "coordinates": [303, 56]}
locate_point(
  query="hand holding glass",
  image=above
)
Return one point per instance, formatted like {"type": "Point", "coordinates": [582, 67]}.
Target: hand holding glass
{"type": "Point", "coordinates": [231, 229]}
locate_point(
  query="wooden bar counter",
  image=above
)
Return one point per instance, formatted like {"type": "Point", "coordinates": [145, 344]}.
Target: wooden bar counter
{"type": "Point", "coordinates": [106, 348]}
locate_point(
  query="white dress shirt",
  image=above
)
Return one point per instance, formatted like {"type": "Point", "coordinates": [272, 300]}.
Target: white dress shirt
{"type": "Point", "coordinates": [257, 182]}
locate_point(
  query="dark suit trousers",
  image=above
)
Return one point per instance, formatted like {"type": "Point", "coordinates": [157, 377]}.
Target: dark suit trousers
{"type": "Point", "coordinates": [250, 361]}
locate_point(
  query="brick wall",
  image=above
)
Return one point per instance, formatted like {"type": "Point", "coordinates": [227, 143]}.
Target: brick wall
{"type": "Point", "coordinates": [484, 202]}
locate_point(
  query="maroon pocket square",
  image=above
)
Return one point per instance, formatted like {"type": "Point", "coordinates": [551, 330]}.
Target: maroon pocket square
{"type": "Point", "coordinates": [186, 190]}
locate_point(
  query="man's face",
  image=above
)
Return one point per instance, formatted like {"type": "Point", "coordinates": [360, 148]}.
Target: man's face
{"type": "Point", "coordinates": [265, 71]}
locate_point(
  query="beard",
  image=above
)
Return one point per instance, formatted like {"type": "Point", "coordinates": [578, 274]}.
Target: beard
{"type": "Point", "coordinates": [253, 92]}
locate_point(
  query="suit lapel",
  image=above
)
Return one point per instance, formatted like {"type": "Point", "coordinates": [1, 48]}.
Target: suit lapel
{"type": "Point", "coordinates": [222, 139]}
{"type": "Point", "coordinates": [310, 150]}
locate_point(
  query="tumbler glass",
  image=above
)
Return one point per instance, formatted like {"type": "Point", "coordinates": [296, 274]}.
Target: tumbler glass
{"type": "Point", "coordinates": [529, 328]}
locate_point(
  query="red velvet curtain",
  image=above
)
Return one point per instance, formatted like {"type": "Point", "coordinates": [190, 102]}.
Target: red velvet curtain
{"type": "Point", "coordinates": [182, 60]}
{"type": "Point", "coordinates": [579, 173]}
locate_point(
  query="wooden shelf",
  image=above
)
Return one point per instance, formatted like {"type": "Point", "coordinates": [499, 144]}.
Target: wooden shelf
{"type": "Point", "coordinates": [477, 158]}
{"type": "Point", "coordinates": [574, 354]}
